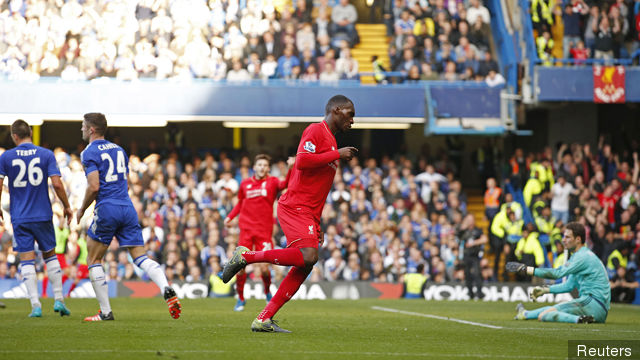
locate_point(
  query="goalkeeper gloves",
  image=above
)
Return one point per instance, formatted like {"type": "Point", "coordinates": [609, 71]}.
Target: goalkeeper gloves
{"type": "Point", "coordinates": [519, 268]}
{"type": "Point", "coordinates": [538, 291]}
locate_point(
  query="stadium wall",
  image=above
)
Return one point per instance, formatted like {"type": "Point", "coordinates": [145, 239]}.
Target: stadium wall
{"type": "Point", "coordinates": [576, 83]}
{"type": "Point", "coordinates": [218, 101]}
{"type": "Point", "coordinates": [308, 291]}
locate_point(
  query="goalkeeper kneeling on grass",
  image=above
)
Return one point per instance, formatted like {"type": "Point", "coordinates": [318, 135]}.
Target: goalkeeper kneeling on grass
{"type": "Point", "coordinates": [585, 272]}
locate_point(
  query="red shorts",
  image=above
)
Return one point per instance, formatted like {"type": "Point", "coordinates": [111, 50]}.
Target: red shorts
{"type": "Point", "coordinates": [255, 241]}
{"type": "Point", "coordinates": [299, 227]}
{"type": "Point", "coordinates": [62, 260]}
{"type": "Point", "coordinates": [83, 272]}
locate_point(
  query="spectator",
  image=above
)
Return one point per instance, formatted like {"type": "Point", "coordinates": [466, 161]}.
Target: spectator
{"type": "Point", "coordinates": [478, 11]}
{"type": "Point", "coordinates": [344, 17]}
{"type": "Point", "coordinates": [347, 66]}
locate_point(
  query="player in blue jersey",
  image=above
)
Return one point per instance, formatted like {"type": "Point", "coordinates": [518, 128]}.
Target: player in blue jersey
{"type": "Point", "coordinates": [106, 168]}
{"type": "Point", "coordinates": [27, 168]}
{"type": "Point", "coordinates": [584, 272]}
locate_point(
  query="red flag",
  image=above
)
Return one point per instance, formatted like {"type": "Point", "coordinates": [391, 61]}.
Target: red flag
{"type": "Point", "coordinates": [608, 84]}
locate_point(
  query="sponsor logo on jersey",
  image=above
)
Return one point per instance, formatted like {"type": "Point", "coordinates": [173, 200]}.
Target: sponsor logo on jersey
{"type": "Point", "coordinates": [310, 147]}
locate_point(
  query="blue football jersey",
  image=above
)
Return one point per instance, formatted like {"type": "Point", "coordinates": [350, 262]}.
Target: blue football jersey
{"type": "Point", "coordinates": [112, 164]}
{"type": "Point", "coordinates": [28, 167]}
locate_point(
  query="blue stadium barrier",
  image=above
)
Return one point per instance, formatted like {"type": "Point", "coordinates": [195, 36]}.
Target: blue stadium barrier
{"type": "Point", "coordinates": [576, 83]}
{"type": "Point", "coordinates": [210, 100]}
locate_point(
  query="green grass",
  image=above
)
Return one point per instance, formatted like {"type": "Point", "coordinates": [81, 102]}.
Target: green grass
{"type": "Point", "coordinates": [331, 329]}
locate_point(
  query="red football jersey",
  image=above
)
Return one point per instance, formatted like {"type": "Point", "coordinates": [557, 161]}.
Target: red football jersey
{"type": "Point", "coordinates": [255, 203]}
{"type": "Point", "coordinates": [312, 176]}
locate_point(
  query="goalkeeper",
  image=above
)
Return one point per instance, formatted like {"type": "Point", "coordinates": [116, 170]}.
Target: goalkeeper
{"type": "Point", "coordinates": [585, 272]}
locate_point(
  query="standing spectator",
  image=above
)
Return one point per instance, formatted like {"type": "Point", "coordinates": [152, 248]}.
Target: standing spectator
{"type": "Point", "coordinates": [472, 241]}
{"type": "Point", "coordinates": [560, 200]}
{"type": "Point", "coordinates": [571, 20]}
{"type": "Point", "coordinates": [603, 39]}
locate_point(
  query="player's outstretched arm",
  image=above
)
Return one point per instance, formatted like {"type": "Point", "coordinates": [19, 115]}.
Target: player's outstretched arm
{"type": "Point", "coordinates": [58, 187]}
{"type": "Point", "coordinates": [236, 209]}
{"type": "Point", "coordinates": [571, 267]}
{"type": "Point", "coordinates": [306, 160]}
{"type": "Point", "coordinates": [93, 186]}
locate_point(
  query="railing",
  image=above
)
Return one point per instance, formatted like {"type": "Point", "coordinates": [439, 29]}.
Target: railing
{"type": "Point", "coordinates": [578, 62]}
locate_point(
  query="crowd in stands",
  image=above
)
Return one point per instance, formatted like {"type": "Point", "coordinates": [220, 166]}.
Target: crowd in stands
{"type": "Point", "coordinates": [585, 29]}
{"type": "Point", "coordinates": [237, 40]}
{"type": "Point", "coordinates": [382, 220]}
{"type": "Point", "coordinates": [183, 39]}
{"type": "Point", "coordinates": [441, 40]}
{"type": "Point", "coordinates": [595, 187]}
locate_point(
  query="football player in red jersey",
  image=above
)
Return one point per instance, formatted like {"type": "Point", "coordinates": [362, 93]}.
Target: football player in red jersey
{"type": "Point", "coordinates": [300, 207]}
{"type": "Point", "coordinates": [255, 206]}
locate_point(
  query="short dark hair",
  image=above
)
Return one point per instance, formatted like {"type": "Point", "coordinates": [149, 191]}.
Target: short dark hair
{"type": "Point", "coordinates": [97, 121]}
{"type": "Point", "coordinates": [420, 268]}
{"type": "Point", "coordinates": [577, 229]}
{"type": "Point", "coordinates": [336, 101]}
{"type": "Point", "coordinates": [21, 129]}
{"type": "Point", "coordinates": [262, 157]}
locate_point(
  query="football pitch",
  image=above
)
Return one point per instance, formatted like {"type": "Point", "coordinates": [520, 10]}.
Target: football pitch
{"type": "Point", "coordinates": [330, 329]}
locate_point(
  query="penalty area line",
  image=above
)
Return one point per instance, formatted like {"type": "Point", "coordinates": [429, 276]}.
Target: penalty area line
{"type": "Point", "coordinates": [446, 318]}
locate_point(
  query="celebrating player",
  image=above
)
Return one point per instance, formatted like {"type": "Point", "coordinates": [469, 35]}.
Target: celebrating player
{"type": "Point", "coordinates": [28, 167]}
{"type": "Point", "coordinates": [585, 272]}
{"type": "Point", "coordinates": [255, 206]}
{"type": "Point", "coordinates": [106, 167]}
{"type": "Point", "coordinates": [300, 207]}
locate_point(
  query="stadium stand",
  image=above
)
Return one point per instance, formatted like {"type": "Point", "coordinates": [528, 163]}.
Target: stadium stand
{"type": "Point", "coordinates": [241, 40]}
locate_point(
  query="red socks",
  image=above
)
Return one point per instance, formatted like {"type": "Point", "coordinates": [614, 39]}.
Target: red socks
{"type": "Point", "coordinates": [266, 280]}
{"type": "Point", "coordinates": [287, 289]}
{"type": "Point", "coordinates": [284, 257]}
{"type": "Point", "coordinates": [240, 280]}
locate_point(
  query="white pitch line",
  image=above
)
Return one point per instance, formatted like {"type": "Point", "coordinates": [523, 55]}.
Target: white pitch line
{"type": "Point", "coordinates": [435, 317]}
{"type": "Point", "coordinates": [584, 329]}
{"type": "Point", "coordinates": [370, 353]}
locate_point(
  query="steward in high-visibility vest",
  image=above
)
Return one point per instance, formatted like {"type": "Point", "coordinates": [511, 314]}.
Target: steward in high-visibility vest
{"type": "Point", "coordinates": [378, 69]}
{"type": "Point", "coordinates": [556, 235]}
{"type": "Point", "coordinates": [545, 223]}
{"type": "Point", "coordinates": [530, 245]}
{"type": "Point", "coordinates": [513, 206]}
{"type": "Point", "coordinates": [532, 188]}
{"type": "Point", "coordinates": [218, 288]}
{"type": "Point", "coordinates": [414, 283]}
{"type": "Point", "coordinates": [545, 45]}
{"type": "Point", "coordinates": [542, 10]}
{"type": "Point", "coordinates": [617, 259]}
{"type": "Point", "coordinates": [513, 228]}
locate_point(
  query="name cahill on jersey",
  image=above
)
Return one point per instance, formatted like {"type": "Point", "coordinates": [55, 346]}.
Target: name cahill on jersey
{"type": "Point", "coordinates": [103, 147]}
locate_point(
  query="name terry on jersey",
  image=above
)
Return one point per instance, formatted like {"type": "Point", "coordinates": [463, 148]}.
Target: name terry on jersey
{"type": "Point", "coordinates": [29, 152]}
{"type": "Point", "coordinates": [106, 146]}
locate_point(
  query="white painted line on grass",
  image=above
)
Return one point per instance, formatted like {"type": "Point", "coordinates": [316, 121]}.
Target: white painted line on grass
{"type": "Point", "coordinates": [369, 353]}
{"type": "Point", "coordinates": [584, 328]}
{"type": "Point", "coordinates": [435, 317]}
{"type": "Point", "coordinates": [580, 328]}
